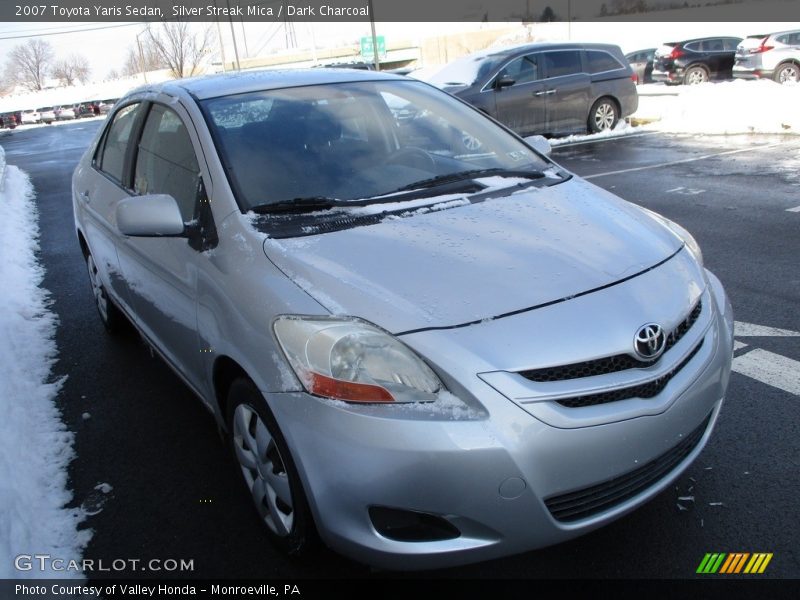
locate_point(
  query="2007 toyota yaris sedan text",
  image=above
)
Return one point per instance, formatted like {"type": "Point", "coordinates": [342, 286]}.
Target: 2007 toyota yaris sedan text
{"type": "Point", "coordinates": [426, 342]}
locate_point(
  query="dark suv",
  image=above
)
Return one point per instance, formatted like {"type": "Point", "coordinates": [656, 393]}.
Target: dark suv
{"type": "Point", "coordinates": [546, 87]}
{"type": "Point", "coordinates": [695, 61]}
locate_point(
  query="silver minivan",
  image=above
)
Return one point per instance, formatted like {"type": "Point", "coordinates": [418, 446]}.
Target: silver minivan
{"type": "Point", "coordinates": [550, 88]}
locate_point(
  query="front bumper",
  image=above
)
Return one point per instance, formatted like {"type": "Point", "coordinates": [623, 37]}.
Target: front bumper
{"type": "Point", "coordinates": [488, 471]}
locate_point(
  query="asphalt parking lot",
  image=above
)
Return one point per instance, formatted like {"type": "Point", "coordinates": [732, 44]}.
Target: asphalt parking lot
{"type": "Point", "coordinates": [175, 495]}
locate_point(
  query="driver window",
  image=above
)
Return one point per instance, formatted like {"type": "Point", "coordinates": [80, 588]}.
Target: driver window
{"type": "Point", "coordinates": [166, 162]}
{"type": "Point", "coordinates": [522, 70]}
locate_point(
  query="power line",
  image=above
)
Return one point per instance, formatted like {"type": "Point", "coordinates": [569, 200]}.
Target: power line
{"type": "Point", "coordinates": [19, 37]}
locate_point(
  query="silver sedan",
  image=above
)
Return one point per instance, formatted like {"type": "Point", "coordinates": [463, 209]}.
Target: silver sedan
{"type": "Point", "coordinates": [427, 343]}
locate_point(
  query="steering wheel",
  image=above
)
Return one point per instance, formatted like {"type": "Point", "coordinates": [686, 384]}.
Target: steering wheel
{"type": "Point", "coordinates": [413, 157]}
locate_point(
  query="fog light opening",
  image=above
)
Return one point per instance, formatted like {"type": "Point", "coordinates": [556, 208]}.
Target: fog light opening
{"type": "Point", "coordinates": [411, 526]}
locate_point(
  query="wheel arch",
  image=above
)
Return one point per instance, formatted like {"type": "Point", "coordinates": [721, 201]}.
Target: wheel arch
{"type": "Point", "coordinates": [223, 373]}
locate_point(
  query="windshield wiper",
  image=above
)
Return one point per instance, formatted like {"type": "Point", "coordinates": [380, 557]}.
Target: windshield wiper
{"type": "Point", "coordinates": [470, 174]}
{"type": "Point", "coordinates": [298, 205]}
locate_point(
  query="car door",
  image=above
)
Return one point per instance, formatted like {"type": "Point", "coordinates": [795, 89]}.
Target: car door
{"type": "Point", "coordinates": [98, 195]}
{"type": "Point", "coordinates": [714, 50]}
{"type": "Point", "coordinates": [568, 88]}
{"type": "Point", "coordinates": [522, 105]}
{"type": "Point", "coordinates": [162, 271]}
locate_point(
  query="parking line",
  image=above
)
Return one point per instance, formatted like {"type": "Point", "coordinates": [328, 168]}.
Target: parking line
{"type": "Point", "coordinates": [682, 161]}
{"type": "Point", "coordinates": [770, 368]}
{"type": "Point", "coordinates": [795, 209]}
{"type": "Point", "coordinates": [742, 329]}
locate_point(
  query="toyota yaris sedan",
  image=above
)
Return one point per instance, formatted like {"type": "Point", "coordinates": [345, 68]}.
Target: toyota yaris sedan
{"type": "Point", "coordinates": [426, 342]}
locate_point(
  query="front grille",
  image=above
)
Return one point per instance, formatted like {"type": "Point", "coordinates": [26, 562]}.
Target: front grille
{"type": "Point", "coordinates": [643, 390]}
{"type": "Point", "coordinates": [581, 504]}
{"type": "Point", "coordinates": [611, 364]}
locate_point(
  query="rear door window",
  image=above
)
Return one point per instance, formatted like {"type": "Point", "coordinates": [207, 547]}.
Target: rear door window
{"type": "Point", "coordinates": [559, 63]}
{"type": "Point", "coordinates": [602, 61]}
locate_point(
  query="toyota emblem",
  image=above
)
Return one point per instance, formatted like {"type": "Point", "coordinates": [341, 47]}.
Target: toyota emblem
{"type": "Point", "coordinates": [650, 341]}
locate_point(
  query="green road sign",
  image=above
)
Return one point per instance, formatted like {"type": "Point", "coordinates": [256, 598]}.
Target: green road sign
{"type": "Point", "coordinates": [367, 50]}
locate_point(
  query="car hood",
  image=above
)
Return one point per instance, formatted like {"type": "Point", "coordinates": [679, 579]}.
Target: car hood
{"type": "Point", "coordinates": [479, 261]}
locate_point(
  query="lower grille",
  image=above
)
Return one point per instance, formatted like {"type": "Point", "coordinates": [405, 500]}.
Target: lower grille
{"type": "Point", "coordinates": [590, 501]}
{"type": "Point", "coordinates": [651, 389]}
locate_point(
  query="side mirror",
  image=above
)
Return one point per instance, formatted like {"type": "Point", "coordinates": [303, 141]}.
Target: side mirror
{"type": "Point", "coordinates": [504, 82]}
{"type": "Point", "coordinates": [152, 215]}
{"type": "Point", "coordinates": [540, 144]}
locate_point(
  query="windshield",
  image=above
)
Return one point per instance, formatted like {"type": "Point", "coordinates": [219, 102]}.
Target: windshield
{"type": "Point", "coordinates": [352, 141]}
{"type": "Point", "coordinates": [465, 71]}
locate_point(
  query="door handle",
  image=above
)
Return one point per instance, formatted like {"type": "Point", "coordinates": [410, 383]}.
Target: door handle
{"type": "Point", "coordinates": [84, 196]}
{"type": "Point", "coordinates": [547, 93]}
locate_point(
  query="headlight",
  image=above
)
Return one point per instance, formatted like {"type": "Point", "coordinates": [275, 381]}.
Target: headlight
{"type": "Point", "coordinates": [352, 361]}
{"type": "Point", "coordinates": [688, 238]}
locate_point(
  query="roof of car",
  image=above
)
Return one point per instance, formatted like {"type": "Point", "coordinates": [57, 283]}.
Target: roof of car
{"type": "Point", "coordinates": [542, 46]}
{"type": "Point", "coordinates": [212, 86]}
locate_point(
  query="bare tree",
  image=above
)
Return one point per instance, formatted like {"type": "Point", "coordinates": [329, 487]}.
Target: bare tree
{"type": "Point", "coordinates": [72, 69]}
{"type": "Point", "coordinates": [29, 63]}
{"type": "Point", "coordinates": [146, 60]}
{"type": "Point", "coordinates": [112, 74]}
{"type": "Point", "coordinates": [180, 48]}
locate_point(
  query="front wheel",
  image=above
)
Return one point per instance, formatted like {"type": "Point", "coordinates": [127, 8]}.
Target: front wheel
{"type": "Point", "coordinates": [603, 115]}
{"type": "Point", "coordinates": [787, 73]}
{"type": "Point", "coordinates": [268, 469]}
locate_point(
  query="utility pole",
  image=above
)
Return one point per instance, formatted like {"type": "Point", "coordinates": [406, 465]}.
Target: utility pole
{"type": "Point", "coordinates": [233, 35]}
{"type": "Point", "coordinates": [374, 37]}
{"type": "Point", "coordinates": [141, 55]}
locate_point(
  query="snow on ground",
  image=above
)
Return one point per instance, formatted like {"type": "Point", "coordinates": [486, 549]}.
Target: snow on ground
{"type": "Point", "coordinates": [731, 107]}
{"type": "Point", "coordinates": [35, 447]}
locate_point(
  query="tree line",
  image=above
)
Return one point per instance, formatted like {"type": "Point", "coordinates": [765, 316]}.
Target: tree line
{"type": "Point", "coordinates": [170, 45]}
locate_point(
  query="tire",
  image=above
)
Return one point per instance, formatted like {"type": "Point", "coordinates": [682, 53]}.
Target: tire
{"type": "Point", "coordinates": [262, 456]}
{"type": "Point", "coordinates": [695, 75]}
{"type": "Point", "coordinates": [787, 72]}
{"type": "Point", "coordinates": [603, 115]}
{"type": "Point", "coordinates": [111, 316]}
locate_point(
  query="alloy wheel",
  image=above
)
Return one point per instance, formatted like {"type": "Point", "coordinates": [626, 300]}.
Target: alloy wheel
{"type": "Point", "coordinates": [604, 116]}
{"type": "Point", "coordinates": [788, 73]}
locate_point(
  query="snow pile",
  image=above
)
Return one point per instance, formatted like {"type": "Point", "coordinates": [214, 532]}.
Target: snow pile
{"type": "Point", "coordinates": [35, 447]}
{"type": "Point", "coordinates": [620, 130]}
{"type": "Point", "coordinates": [732, 107]}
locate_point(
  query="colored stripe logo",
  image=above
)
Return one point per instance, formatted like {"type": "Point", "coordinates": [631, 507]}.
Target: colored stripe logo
{"type": "Point", "coordinates": [734, 563]}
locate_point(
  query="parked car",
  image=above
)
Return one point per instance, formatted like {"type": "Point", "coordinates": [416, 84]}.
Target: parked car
{"type": "Point", "coordinates": [46, 114]}
{"type": "Point", "coordinates": [83, 111]}
{"type": "Point", "coordinates": [641, 62]}
{"type": "Point", "coordinates": [695, 61]}
{"type": "Point", "coordinates": [409, 348]}
{"type": "Point", "coordinates": [545, 87]}
{"type": "Point", "coordinates": [8, 121]}
{"type": "Point", "coordinates": [773, 56]}
{"type": "Point", "coordinates": [29, 117]}
{"type": "Point", "coordinates": [65, 113]}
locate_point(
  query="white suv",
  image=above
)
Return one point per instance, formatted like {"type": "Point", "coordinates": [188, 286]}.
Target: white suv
{"type": "Point", "coordinates": [773, 56]}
